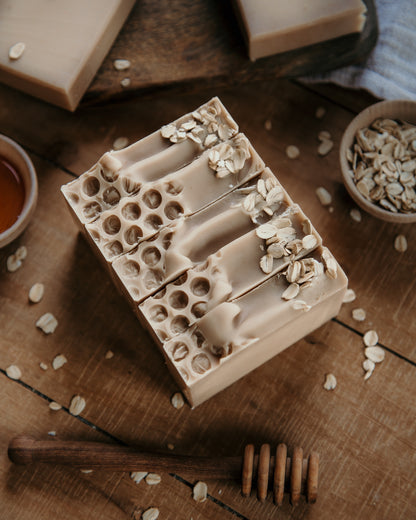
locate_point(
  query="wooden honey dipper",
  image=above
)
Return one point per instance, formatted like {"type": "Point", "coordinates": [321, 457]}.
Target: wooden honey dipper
{"type": "Point", "coordinates": [296, 475]}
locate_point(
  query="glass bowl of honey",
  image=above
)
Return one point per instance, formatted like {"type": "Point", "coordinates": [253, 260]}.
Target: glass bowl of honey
{"type": "Point", "coordinates": [18, 190]}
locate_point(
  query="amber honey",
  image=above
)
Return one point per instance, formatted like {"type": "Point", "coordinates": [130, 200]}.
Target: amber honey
{"type": "Point", "coordinates": [12, 194]}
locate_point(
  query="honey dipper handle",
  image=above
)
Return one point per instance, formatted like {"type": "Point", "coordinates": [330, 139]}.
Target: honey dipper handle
{"type": "Point", "coordinates": [89, 455]}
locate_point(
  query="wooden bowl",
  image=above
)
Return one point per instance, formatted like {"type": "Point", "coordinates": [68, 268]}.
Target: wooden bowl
{"type": "Point", "coordinates": [15, 154]}
{"type": "Point", "coordinates": [400, 109]}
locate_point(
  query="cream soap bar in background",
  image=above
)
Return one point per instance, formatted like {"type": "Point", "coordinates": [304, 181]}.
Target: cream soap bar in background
{"type": "Point", "coordinates": [275, 26]}
{"type": "Point", "coordinates": [211, 253]}
{"type": "Point", "coordinates": [64, 44]}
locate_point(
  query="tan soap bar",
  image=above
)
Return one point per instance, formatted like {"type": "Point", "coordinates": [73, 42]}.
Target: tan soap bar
{"type": "Point", "coordinates": [236, 337]}
{"type": "Point", "coordinates": [62, 44]}
{"type": "Point", "coordinates": [237, 267]}
{"type": "Point", "coordinates": [211, 253]}
{"type": "Point", "coordinates": [177, 195]}
{"type": "Point", "coordinates": [275, 26]}
{"type": "Point", "coordinates": [120, 174]}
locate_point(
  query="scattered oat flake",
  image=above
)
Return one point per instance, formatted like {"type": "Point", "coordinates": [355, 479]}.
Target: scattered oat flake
{"type": "Point", "coordinates": [59, 361]}
{"type": "Point", "coordinates": [120, 143]}
{"type": "Point", "coordinates": [266, 231]}
{"type": "Point", "coordinates": [13, 372]}
{"type": "Point", "coordinates": [150, 514]}
{"type": "Point", "coordinates": [77, 405]}
{"type": "Point", "coordinates": [349, 296]}
{"type": "Point", "coordinates": [109, 354]}
{"type": "Point", "coordinates": [355, 214]}
{"type": "Point", "coordinates": [400, 243]}
{"type": "Point", "coordinates": [17, 50]}
{"type": "Point", "coordinates": [43, 365]}
{"type": "Point", "coordinates": [171, 446]}
{"type": "Point", "coordinates": [47, 322]}
{"type": "Point", "coordinates": [86, 471]}
{"type": "Point", "coordinates": [266, 263]}
{"type": "Point", "coordinates": [52, 433]}
{"type": "Point", "coordinates": [291, 292]}
{"type": "Point", "coordinates": [199, 492]}
{"type": "Point", "coordinates": [325, 147]}
{"type": "Point", "coordinates": [138, 476]}
{"type": "Point", "coordinates": [324, 135]}
{"type": "Point", "coordinates": [292, 152]}
{"type": "Point", "coordinates": [330, 382]}
{"type": "Point", "coordinates": [13, 263]}
{"type": "Point", "coordinates": [54, 406]}
{"type": "Point", "coordinates": [177, 400]}
{"type": "Point", "coordinates": [324, 196]}
{"type": "Point", "coordinates": [121, 64]}
{"type": "Point", "coordinates": [300, 305]}
{"type": "Point", "coordinates": [309, 241]}
{"type": "Point", "coordinates": [125, 82]}
{"type": "Point", "coordinates": [152, 479]}
{"type": "Point", "coordinates": [358, 314]}
{"type": "Point", "coordinates": [370, 338]}
{"type": "Point", "coordinates": [21, 253]}
{"type": "Point", "coordinates": [268, 125]}
{"type": "Point", "coordinates": [375, 354]}
{"type": "Point", "coordinates": [320, 112]}
{"type": "Point", "coordinates": [36, 292]}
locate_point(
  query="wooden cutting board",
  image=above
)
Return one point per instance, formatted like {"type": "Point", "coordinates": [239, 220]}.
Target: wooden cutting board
{"type": "Point", "coordinates": [192, 44]}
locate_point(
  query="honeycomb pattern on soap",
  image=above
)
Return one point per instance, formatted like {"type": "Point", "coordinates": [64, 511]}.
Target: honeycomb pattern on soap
{"type": "Point", "coordinates": [98, 190]}
{"type": "Point", "coordinates": [138, 218]}
{"type": "Point", "coordinates": [179, 304]}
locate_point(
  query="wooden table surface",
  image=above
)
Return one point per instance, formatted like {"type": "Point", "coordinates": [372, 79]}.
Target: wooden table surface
{"type": "Point", "coordinates": [363, 430]}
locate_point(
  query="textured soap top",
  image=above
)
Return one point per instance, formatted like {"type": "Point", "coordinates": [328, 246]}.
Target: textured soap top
{"type": "Point", "coordinates": [212, 254]}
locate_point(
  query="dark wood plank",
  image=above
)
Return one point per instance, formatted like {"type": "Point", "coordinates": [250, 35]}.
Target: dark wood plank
{"type": "Point", "coordinates": [186, 45]}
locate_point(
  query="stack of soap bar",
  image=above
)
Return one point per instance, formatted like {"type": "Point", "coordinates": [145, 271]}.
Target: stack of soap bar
{"type": "Point", "coordinates": [275, 26]}
{"type": "Point", "coordinates": [65, 43]}
{"type": "Point", "coordinates": [213, 256]}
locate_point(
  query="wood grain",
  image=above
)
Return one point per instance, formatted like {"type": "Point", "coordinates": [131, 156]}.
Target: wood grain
{"type": "Point", "coordinates": [364, 431]}
{"type": "Point", "coordinates": [186, 45]}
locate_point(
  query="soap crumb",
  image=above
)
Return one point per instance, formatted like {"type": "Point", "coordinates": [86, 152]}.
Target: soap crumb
{"type": "Point", "coordinates": [355, 215]}
{"type": "Point", "coordinates": [330, 382]}
{"type": "Point", "coordinates": [200, 492]}
{"type": "Point", "coordinates": [324, 196]}
{"type": "Point", "coordinates": [54, 406]}
{"type": "Point", "coordinates": [150, 514]}
{"type": "Point", "coordinates": [400, 243]}
{"type": "Point", "coordinates": [16, 51]}
{"type": "Point", "coordinates": [320, 112]}
{"type": "Point", "coordinates": [358, 314]}
{"type": "Point", "coordinates": [59, 361]}
{"type": "Point", "coordinates": [43, 365]}
{"type": "Point", "coordinates": [331, 209]}
{"type": "Point", "coordinates": [152, 479]}
{"type": "Point", "coordinates": [349, 296]}
{"type": "Point", "coordinates": [13, 372]}
{"type": "Point", "coordinates": [268, 125]}
{"type": "Point", "coordinates": [121, 64]}
{"type": "Point", "coordinates": [120, 143]}
{"type": "Point", "coordinates": [177, 400]}
{"type": "Point", "coordinates": [292, 152]}
{"type": "Point", "coordinates": [109, 354]}
{"type": "Point", "coordinates": [125, 82]}
{"type": "Point", "coordinates": [138, 476]}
